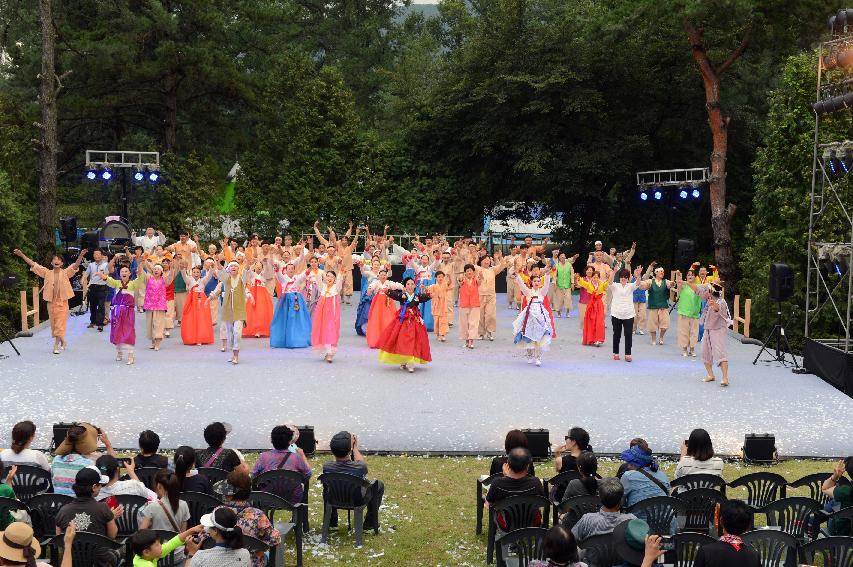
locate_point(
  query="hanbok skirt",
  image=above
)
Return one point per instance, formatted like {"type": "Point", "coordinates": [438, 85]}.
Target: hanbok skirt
{"type": "Point", "coordinates": [196, 324]}
{"type": "Point", "coordinates": [259, 312]}
{"type": "Point", "coordinates": [123, 319]}
{"type": "Point", "coordinates": [326, 323]}
{"type": "Point", "coordinates": [291, 323]}
{"type": "Point", "coordinates": [593, 324]}
{"type": "Point", "coordinates": [426, 306]}
{"type": "Point", "coordinates": [533, 326]}
{"type": "Point", "coordinates": [546, 303]}
{"type": "Point", "coordinates": [405, 342]}
{"type": "Point", "coordinates": [383, 310]}
{"type": "Point", "coordinates": [362, 313]}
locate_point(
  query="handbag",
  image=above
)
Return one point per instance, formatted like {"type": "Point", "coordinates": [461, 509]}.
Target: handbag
{"type": "Point", "coordinates": [661, 485]}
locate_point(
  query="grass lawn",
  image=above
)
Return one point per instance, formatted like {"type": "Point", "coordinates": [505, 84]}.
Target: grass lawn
{"type": "Point", "coordinates": [428, 513]}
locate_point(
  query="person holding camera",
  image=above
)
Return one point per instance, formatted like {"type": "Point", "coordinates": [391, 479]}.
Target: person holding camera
{"type": "Point", "coordinates": [78, 450]}
{"type": "Point", "coordinates": [730, 551]}
{"type": "Point", "coordinates": [715, 319]}
{"type": "Point", "coordinates": [110, 466]}
{"type": "Point", "coordinates": [349, 460]}
{"type": "Point", "coordinates": [285, 456]}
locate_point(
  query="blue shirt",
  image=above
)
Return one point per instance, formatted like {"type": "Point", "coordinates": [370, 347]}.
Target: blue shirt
{"type": "Point", "coordinates": [639, 294]}
{"type": "Point", "coordinates": [639, 487]}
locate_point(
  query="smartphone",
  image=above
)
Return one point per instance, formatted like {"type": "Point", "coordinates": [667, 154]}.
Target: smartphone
{"type": "Point", "coordinates": [112, 502]}
{"type": "Point", "coordinates": [666, 543]}
{"type": "Point", "coordinates": [124, 460]}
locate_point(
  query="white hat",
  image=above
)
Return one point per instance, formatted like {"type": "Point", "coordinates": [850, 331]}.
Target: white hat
{"type": "Point", "coordinates": [599, 243]}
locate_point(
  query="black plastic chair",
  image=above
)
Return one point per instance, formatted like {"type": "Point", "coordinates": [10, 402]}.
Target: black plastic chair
{"type": "Point", "coordinates": [574, 508]}
{"type": "Point", "coordinates": [792, 515]}
{"type": "Point", "coordinates": [170, 560]}
{"type": "Point", "coordinates": [147, 475]}
{"type": "Point", "coordinates": [254, 545]}
{"type": "Point", "coordinates": [84, 550]}
{"type": "Point", "coordinates": [128, 522]}
{"type": "Point", "coordinates": [30, 481]}
{"type": "Point", "coordinates": [599, 551]}
{"type": "Point", "coordinates": [843, 514]}
{"type": "Point", "coordinates": [517, 512]}
{"type": "Point", "coordinates": [43, 510]}
{"type": "Point", "coordinates": [272, 503]}
{"type": "Point", "coordinates": [687, 545]}
{"type": "Point", "coordinates": [762, 488]}
{"type": "Point", "coordinates": [691, 481]}
{"type": "Point", "coordinates": [213, 474]}
{"type": "Point", "coordinates": [701, 505]}
{"type": "Point", "coordinates": [526, 543]}
{"type": "Point", "coordinates": [282, 483]}
{"type": "Point", "coordinates": [199, 504]}
{"type": "Point", "coordinates": [345, 492]}
{"type": "Point", "coordinates": [835, 551]}
{"type": "Point", "coordinates": [660, 512]}
{"type": "Point", "coordinates": [481, 499]}
{"type": "Point", "coordinates": [774, 548]}
{"type": "Point", "coordinates": [559, 479]}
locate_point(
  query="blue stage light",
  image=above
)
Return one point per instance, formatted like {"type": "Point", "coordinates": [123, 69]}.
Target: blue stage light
{"type": "Point", "coordinates": [844, 166]}
{"type": "Point", "coordinates": [683, 194]}
{"type": "Point", "coordinates": [644, 196]}
{"type": "Point", "coordinates": [106, 174]}
{"type": "Point", "coordinates": [658, 195]}
{"type": "Point", "coordinates": [832, 165]}
{"type": "Point", "coordinates": [139, 176]}
{"type": "Point", "coordinates": [91, 174]}
{"type": "Point", "coordinates": [696, 193]}
{"type": "Point", "coordinates": [154, 177]}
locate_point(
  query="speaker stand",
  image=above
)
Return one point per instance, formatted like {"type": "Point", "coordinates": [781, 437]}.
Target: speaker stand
{"type": "Point", "coordinates": [5, 338]}
{"type": "Point", "coordinates": [783, 347]}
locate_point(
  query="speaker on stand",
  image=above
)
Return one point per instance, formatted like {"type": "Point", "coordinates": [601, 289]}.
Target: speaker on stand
{"type": "Point", "coordinates": [780, 288]}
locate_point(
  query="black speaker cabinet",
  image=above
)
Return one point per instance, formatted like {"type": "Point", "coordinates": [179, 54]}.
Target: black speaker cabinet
{"type": "Point", "coordinates": [539, 443]}
{"type": "Point", "coordinates": [307, 442]}
{"type": "Point", "coordinates": [781, 285]}
{"type": "Point", "coordinates": [68, 229]}
{"type": "Point", "coordinates": [60, 432]}
{"type": "Point", "coordinates": [759, 448]}
{"type": "Point", "coordinates": [685, 253]}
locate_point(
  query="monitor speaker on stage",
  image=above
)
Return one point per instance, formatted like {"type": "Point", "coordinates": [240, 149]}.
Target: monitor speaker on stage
{"type": "Point", "coordinates": [781, 282]}
{"type": "Point", "coordinates": [307, 442]}
{"type": "Point", "coordinates": [759, 448]}
{"type": "Point", "coordinates": [685, 253]}
{"type": "Point", "coordinates": [60, 432]}
{"type": "Point", "coordinates": [538, 442]}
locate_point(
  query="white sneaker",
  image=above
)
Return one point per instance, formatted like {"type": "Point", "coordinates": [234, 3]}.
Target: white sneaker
{"type": "Point", "coordinates": [538, 362]}
{"type": "Point", "coordinates": [684, 353]}
{"type": "Point", "coordinates": [531, 360]}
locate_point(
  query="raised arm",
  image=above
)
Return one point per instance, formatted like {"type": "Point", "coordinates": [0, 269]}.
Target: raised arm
{"type": "Point", "coordinates": [320, 236]}
{"type": "Point", "coordinates": [24, 257]}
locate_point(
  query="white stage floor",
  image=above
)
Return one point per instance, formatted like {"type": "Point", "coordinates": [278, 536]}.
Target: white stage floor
{"type": "Point", "coordinates": [463, 401]}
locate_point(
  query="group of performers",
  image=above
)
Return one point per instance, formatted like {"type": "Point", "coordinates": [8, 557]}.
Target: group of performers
{"type": "Point", "coordinates": [293, 294]}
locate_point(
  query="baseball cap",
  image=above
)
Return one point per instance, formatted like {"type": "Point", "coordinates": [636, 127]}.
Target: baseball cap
{"type": "Point", "coordinates": [341, 442]}
{"type": "Point", "coordinates": [90, 476]}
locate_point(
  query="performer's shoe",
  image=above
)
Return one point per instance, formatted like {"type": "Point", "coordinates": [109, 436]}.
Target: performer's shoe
{"type": "Point", "coordinates": [628, 358]}
{"type": "Point", "coordinates": [538, 362]}
{"type": "Point", "coordinates": [616, 357]}
{"type": "Point", "coordinates": [55, 350]}
{"type": "Point", "coordinates": [724, 384]}
{"type": "Point", "coordinates": [708, 379]}
{"type": "Point", "coordinates": [130, 359]}
{"type": "Point", "coordinates": [531, 360]}
{"type": "Point", "coordinates": [118, 356]}
{"type": "Point", "coordinates": [411, 369]}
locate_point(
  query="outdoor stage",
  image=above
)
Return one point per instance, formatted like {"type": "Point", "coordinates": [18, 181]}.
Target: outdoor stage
{"type": "Point", "coordinates": [463, 401]}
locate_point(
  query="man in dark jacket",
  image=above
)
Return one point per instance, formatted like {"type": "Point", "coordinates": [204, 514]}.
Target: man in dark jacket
{"type": "Point", "coordinates": [730, 551]}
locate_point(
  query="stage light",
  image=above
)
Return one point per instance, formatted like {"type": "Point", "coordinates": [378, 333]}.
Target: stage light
{"type": "Point", "coordinates": [844, 166]}
{"type": "Point", "coordinates": [154, 176]}
{"type": "Point", "coordinates": [106, 173]}
{"type": "Point", "coordinates": [138, 176]}
{"type": "Point", "coordinates": [91, 175]}
{"type": "Point", "coordinates": [644, 196]}
{"type": "Point", "coordinates": [683, 194]}
{"type": "Point", "coordinates": [658, 195]}
{"type": "Point", "coordinates": [696, 193]}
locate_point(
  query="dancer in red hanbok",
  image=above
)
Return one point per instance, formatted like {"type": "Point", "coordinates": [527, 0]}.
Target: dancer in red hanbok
{"type": "Point", "coordinates": [593, 326]}
{"type": "Point", "coordinates": [405, 341]}
{"type": "Point", "coordinates": [383, 309]}
{"type": "Point", "coordinates": [197, 322]}
{"type": "Point", "coordinates": [259, 311]}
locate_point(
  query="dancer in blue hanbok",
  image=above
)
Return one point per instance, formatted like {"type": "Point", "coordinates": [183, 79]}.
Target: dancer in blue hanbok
{"type": "Point", "coordinates": [291, 322]}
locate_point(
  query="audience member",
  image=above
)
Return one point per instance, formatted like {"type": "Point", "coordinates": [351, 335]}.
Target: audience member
{"type": "Point", "coordinates": [514, 438]}
{"type": "Point", "coordinates": [565, 457]}
{"type": "Point", "coordinates": [349, 460]}
{"type": "Point", "coordinates": [515, 482]}
{"type": "Point", "coordinates": [285, 455]}
{"type": "Point", "coordinates": [19, 547]}
{"type": "Point", "coordinates": [149, 443]}
{"type": "Point", "coordinates": [109, 466]}
{"type": "Point", "coordinates": [612, 493]}
{"type": "Point", "coordinates": [188, 477]}
{"type": "Point", "coordinates": [635, 545]}
{"type": "Point", "coordinates": [642, 478]}
{"type": "Point", "coordinates": [221, 526]}
{"type": "Point", "coordinates": [148, 550]}
{"type": "Point", "coordinates": [216, 455]}
{"type": "Point", "coordinates": [587, 484]}
{"type": "Point", "coordinates": [841, 495]}
{"type": "Point", "coordinates": [89, 515]}
{"type": "Point", "coordinates": [6, 491]}
{"type": "Point", "coordinates": [169, 512]}
{"type": "Point", "coordinates": [730, 550]}
{"type": "Point", "coordinates": [697, 456]}
{"type": "Point", "coordinates": [559, 549]}
{"type": "Point", "coordinates": [77, 451]}
{"type": "Point", "coordinates": [236, 490]}
{"type": "Point", "coordinates": [20, 453]}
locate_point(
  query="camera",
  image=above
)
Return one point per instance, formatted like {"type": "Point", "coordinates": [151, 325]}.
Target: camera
{"type": "Point", "coordinates": [666, 543]}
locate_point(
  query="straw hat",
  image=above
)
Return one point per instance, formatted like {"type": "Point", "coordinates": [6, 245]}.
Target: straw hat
{"type": "Point", "coordinates": [86, 444]}
{"type": "Point", "coordinates": [18, 544]}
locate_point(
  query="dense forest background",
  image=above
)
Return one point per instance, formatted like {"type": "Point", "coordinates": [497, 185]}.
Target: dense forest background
{"type": "Point", "coordinates": [421, 116]}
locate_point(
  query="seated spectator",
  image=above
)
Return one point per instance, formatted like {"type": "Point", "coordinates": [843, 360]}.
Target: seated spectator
{"type": "Point", "coordinates": [559, 549]}
{"type": "Point", "coordinates": [697, 456]}
{"type": "Point", "coordinates": [109, 466]}
{"type": "Point", "coordinates": [635, 545]}
{"type": "Point", "coordinates": [236, 490]}
{"type": "Point", "coordinates": [602, 522]}
{"type": "Point", "coordinates": [284, 456]}
{"type": "Point", "coordinates": [216, 455]}
{"type": "Point", "coordinates": [20, 453]}
{"type": "Point", "coordinates": [169, 512]}
{"type": "Point", "coordinates": [514, 482]}
{"type": "Point", "coordinates": [148, 550]}
{"type": "Point", "coordinates": [730, 550]}
{"type": "Point", "coordinates": [6, 491]}
{"type": "Point", "coordinates": [221, 526]}
{"type": "Point", "coordinates": [565, 457]}
{"type": "Point", "coordinates": [149, 443]}
{"type": "Point", "coordinates": [514, 438]}
{"type": "Point", "coordinates": [642, 478]}
{"type": "Point", "coordinates": [18, 546]}
{"type": "Point", "coordinates": [77, 451]}
{"type": "Point", "coordinates": [841, 495]}
{"type": "Point", "coordinates": [349, 460]}
{"type": "Point", "coordinates": [587, 484]}
{"type": "Point", "coordinates": [188, 477]}
{"type": "Point", "coordinates": [89, 515]}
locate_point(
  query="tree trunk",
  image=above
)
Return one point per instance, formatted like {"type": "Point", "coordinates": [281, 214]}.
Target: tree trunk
{"type": "Point", "coordinates": [170, 135]}
{"type": "Point", "coordinates": [49, 145]}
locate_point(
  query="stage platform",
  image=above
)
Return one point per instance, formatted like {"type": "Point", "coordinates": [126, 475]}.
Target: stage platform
{"type": "Point", "coordinates": [465, 400]}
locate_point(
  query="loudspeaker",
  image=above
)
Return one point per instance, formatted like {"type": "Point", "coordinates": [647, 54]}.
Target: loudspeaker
{"type": "Point", "coordinates": [781, 282]}
{"type": "Point", "coordinates": [306, 440]}
{"type": "Point", "coordinates": [91, 241]}
{"type": "Point", "coordinates": [538, 442]}
{"type": "Point", "coordinates": [60, 432]}
{"type": "Point", "coordinates": [685, 253]}
{"type": "Point", "coordinates": [759, 448]}
{"type": "Point", "coordinates": [68, 229]}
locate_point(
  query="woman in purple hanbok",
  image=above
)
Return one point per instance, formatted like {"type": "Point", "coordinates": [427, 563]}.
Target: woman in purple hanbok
{"type": "Point", "coordinates": [123, 314]}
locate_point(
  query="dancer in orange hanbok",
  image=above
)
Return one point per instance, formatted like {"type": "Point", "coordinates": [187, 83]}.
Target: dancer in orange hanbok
{"type": "Point", "coordinates": [441, 293]}
{"type": "Point", "coordinates": [383, 309]}
{"type": "Point", "coordinates": [405, 341]}
{"type": "Point", "coordinates": [326, 321]}
{"type": "Point", "coordinates": [197, 322]}
{"type": "Point", "coordinates": [593, 326]}
{"type": "Point", "coordinates": [259, 311]}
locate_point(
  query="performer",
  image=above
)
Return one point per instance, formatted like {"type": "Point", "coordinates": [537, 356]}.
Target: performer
{"type": "Point", "coordinates": [123, 312]}
{"type": "Point", "coordinates": [532, 328]}
{"type": "Point", "coordinates": [441, 294]}
{"type": "Point", "coordinates": [259, 310]}
{"type": "Point", "coordinates": [469, 306]}
{"type": "Point", "coordinates": [233, 312]}
{"type": "Point", "coordinates": [716, 319]}
{"type": "Point", "coordinates": [446, 265]}
{"type": "Point", "coordinates": [425, 277]}
{"type": "Point", "coordinates": [622, 310]}
{"type": "Point", "coordinates": [405, 341]}
{"type": "Point", "coordinates": [368, 276]}
{"type": "Point", "coordinates": [155, 298]}
{"type": "Point", "coordinates": [291, 323]}
{"type": "Point", "coordinates": [593, 326]}
{"type": "Point", "coordinates": [197, 322]}
{"type": "Point", "coordinates": [658, 307]}
{"type": "Point", "coordinates": [535, 271]}
{"type": "Point", "coordinates": [702, 278]}
{"type": "Point", "coordinates": [639, 302]}
{"type": "Point", "coordinates": [326, 321]}
{"type": "Point", "coordinates": [565, 278]}
{"type": "Point", "coordinates": [313, 279]}
{"type": "Point", "coordinates": [689, 310]}
{"type": "Point", "coordinates": [56, 292]}
{"type": "Point", "coordinates": [210, 264]}
{"type": "Point", "coordinates": [486, 275]}
{"type": "Point", "coordinates": [382, 310]}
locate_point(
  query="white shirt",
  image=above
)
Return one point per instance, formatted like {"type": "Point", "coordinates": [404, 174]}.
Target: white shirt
{"type": "Point", "coordinates": [25, 457]}
{"type": "Point", "coordinates": [134, 487]}
{"type": "Point", "coordinates": [149, 244]}
{"type": "Point", "coordinates": [688, 465]}
{"type": "Point", "coordinates": [622, 300]}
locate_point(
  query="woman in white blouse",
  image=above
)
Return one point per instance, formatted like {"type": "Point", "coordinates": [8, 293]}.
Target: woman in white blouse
{"type": "Point", "coordinates": [697, 456]}
{"type": "Point", "coordinates": [622, 310]}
